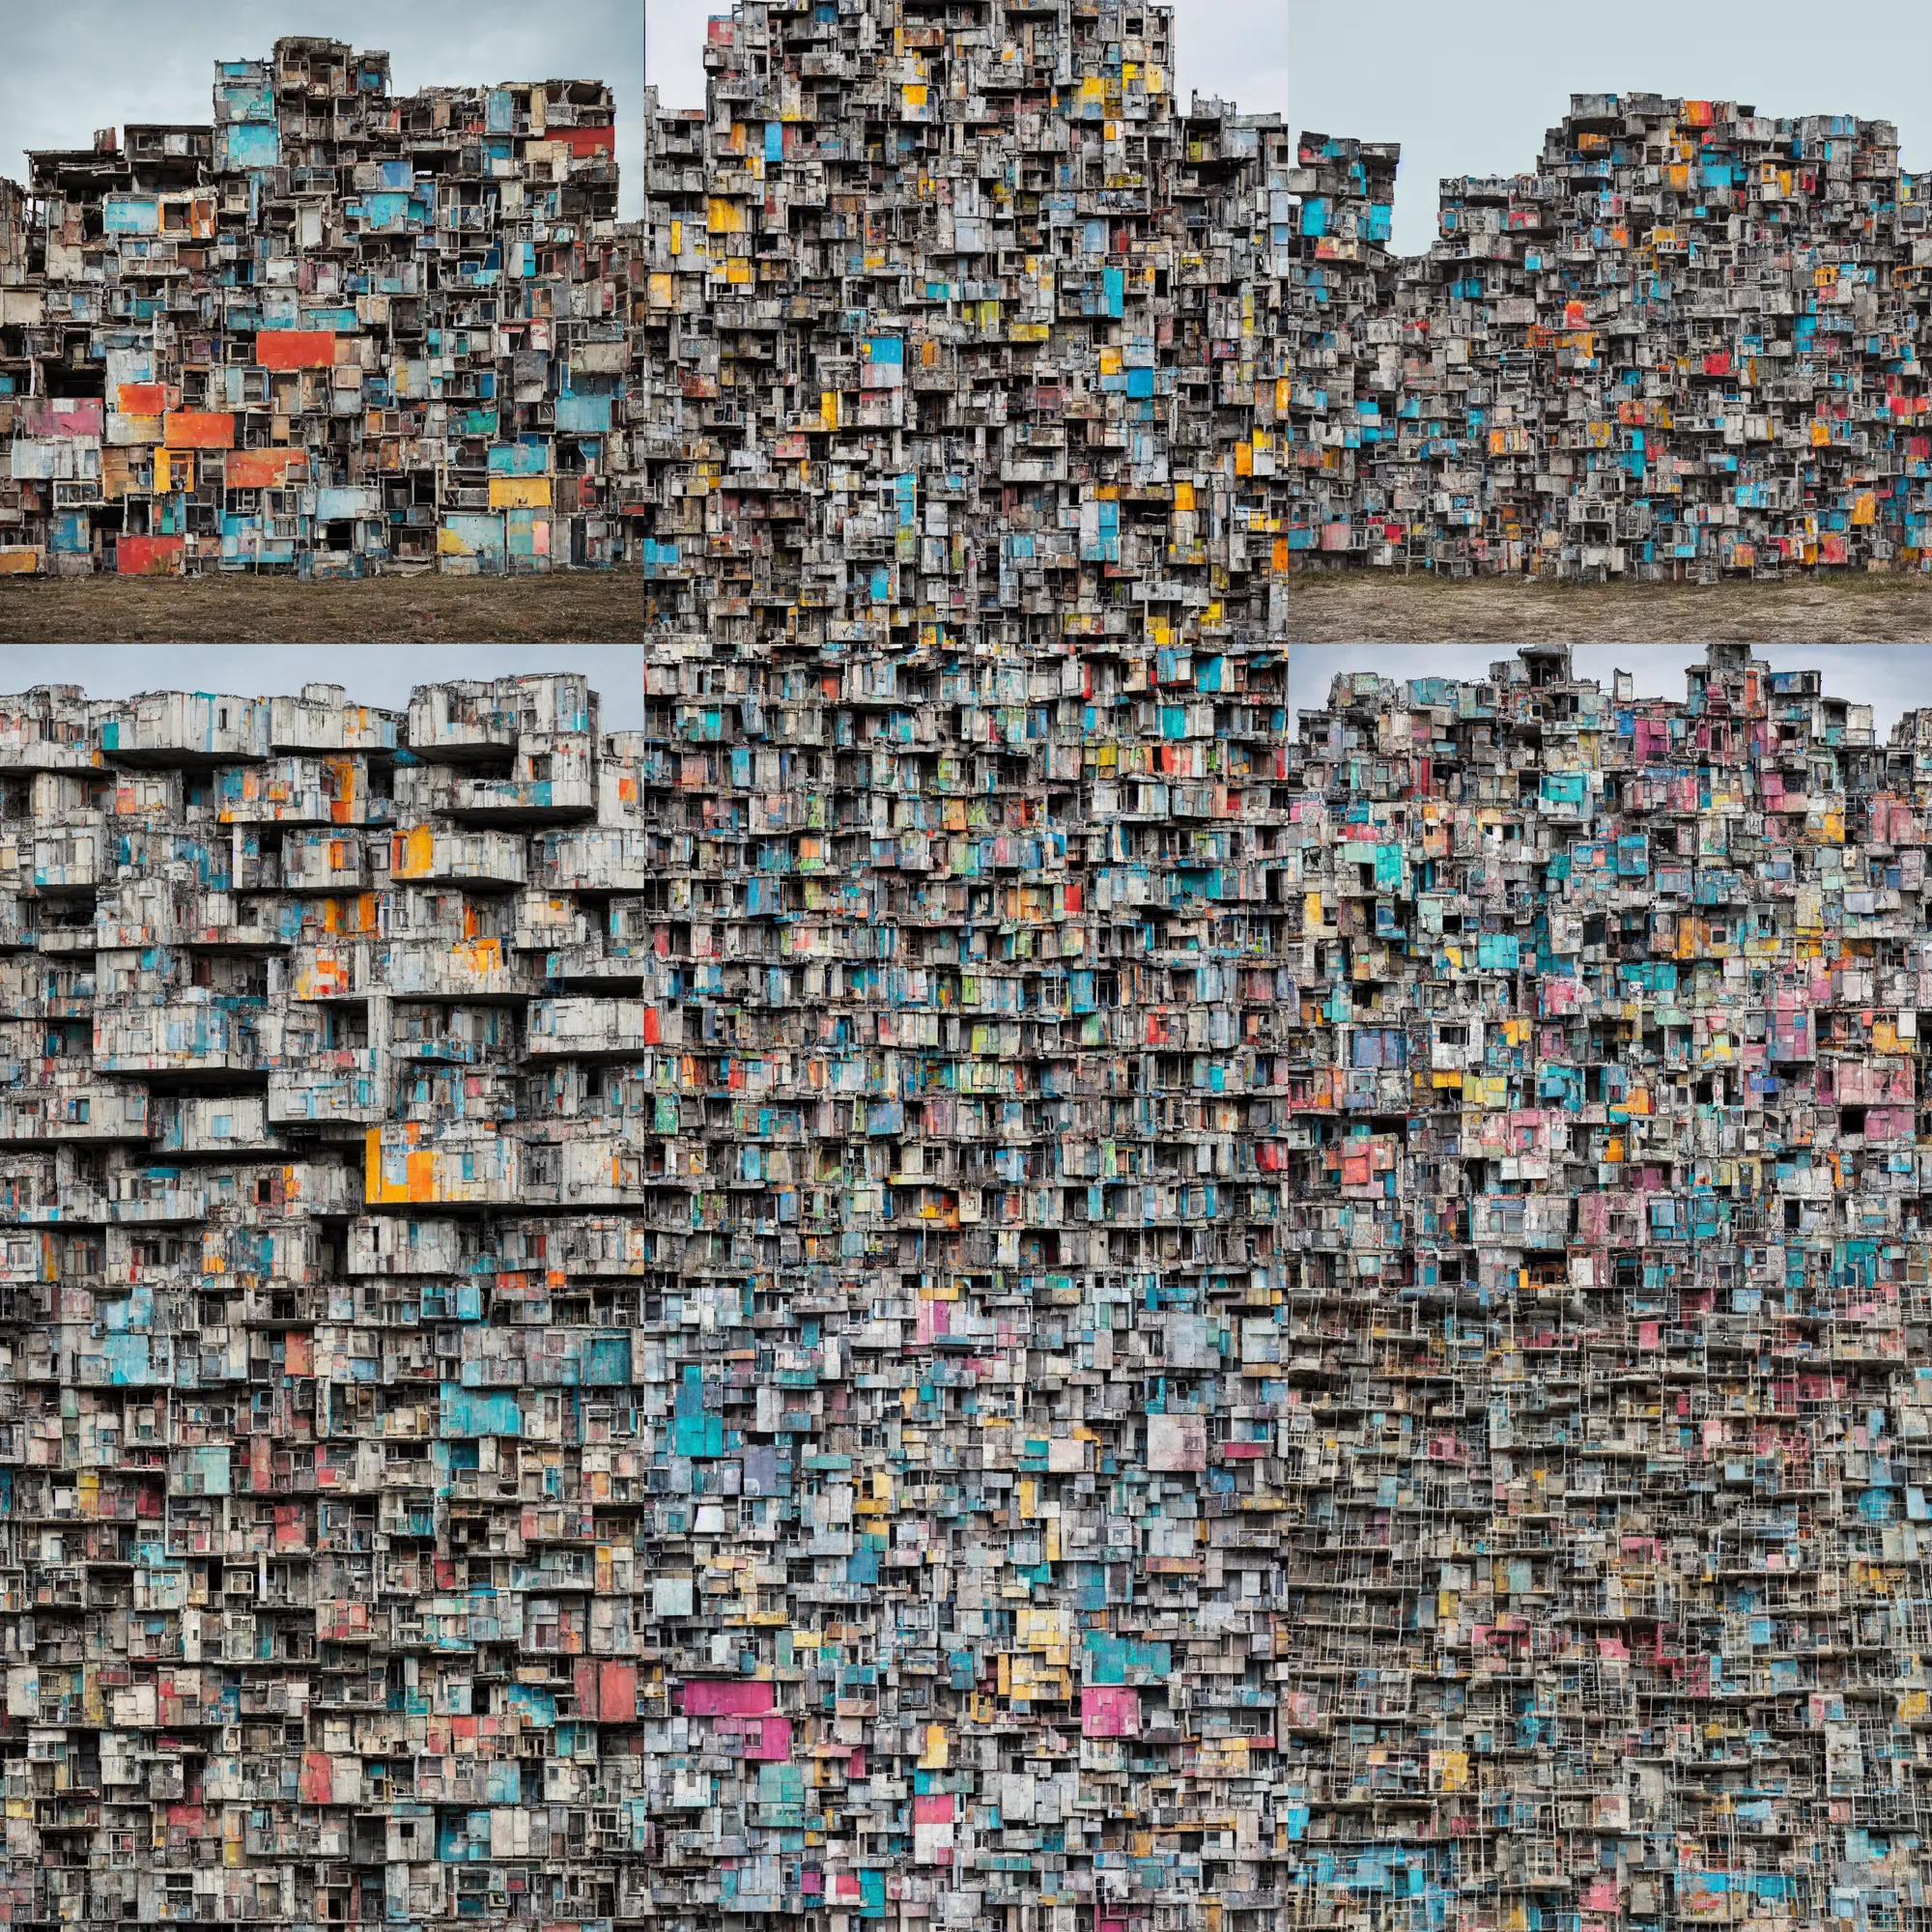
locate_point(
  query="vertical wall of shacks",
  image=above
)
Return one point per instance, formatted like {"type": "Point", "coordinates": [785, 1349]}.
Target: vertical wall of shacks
{"type": "Point", "coordinates": [589, 1335]}
{"type": "Point", "coordinates": [1681, 347]}
{"type": "Point", "coordinates": [336, 332]}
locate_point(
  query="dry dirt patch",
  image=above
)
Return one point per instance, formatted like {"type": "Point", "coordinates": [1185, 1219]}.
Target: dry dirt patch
{"type": "Point", "coordinates": [568, 607]}
{"type": "Point", "coordinates": [1335, 608]}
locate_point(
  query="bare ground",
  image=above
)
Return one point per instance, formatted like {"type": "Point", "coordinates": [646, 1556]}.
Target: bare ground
{"type": "Point", "coordinates": [1374, 607]}
{"type": "Point", "coordinates": [565, 607]}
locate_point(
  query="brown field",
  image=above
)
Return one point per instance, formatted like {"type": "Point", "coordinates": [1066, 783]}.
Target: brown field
{"type": "Point", "coordinates": [1374, 607]}
{"type": "Point", "coordinates": [567, 608]}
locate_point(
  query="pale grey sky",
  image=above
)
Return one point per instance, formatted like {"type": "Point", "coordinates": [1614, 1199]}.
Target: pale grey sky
{"type": "Point", "coordinates": [1886, 677]}
{"type": "Point", "coordinates": [1889, 678]}
{"type": "Point", "coordinates": [379, 675]}
{"type": "Point", "coordinates": [1235, 48]}
{"type": "Point", "coordinates": [1468, 88]}
{"type": "Point", "coordinates": [86, 63]}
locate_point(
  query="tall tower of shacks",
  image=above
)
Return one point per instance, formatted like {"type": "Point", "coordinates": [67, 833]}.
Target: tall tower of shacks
{"type": "Point", "coordinates": [966, 337]}
{"type": "Point", "coordinates": [333, 332]}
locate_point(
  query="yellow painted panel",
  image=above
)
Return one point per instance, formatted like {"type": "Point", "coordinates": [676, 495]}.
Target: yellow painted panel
{"type": "Point", "coordinates": [416, 856]}
{"type": "Point", "coordinates": [519, 493]}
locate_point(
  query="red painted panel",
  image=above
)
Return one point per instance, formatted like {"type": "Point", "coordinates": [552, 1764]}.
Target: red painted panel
{"type": "Point", "coordinates": [583, 140]}
{"type": "Point", "coordinates": [148, 556]}
{"type": "Point", "coordinates": [318, 1777]}
{"type": "Point", "coordinates": [617, 1693]}
{"type": "Point", "coordinates": [295, 348]}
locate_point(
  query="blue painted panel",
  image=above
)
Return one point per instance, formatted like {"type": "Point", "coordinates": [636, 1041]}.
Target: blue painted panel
{"type": "Point", "coordinates": [250, 144]}
{"type": "Point", "coordinates": [130, 215]}
{"type": "Point", "coordinates": [248, 100]}
{"type": "Point", "coordinates": [583, 415]}
{"type": "Point", "coordinates": [520, 459]}
{"type": "Point", "coordinates": [481, 530]}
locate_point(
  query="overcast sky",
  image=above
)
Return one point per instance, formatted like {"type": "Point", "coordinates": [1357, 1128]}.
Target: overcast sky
{"type": "Point", "coordinates": [74, 66]}
{"type": "Point", "coordinates": [1889, 678]}
{"type": "Point", "coordinates": [1468, 87]}
{"type": "Point", "coordinates": [1886, 677]}
{"type": "Point", "coordinates": [1235, 48]}
{"type": "Point", "coordinates": [379, 675]}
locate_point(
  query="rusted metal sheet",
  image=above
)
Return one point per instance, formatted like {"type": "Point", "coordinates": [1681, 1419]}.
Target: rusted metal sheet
{"type": "Point", "coordinates": [295, 348]}
{"type": "Point", "coordinates": [148, 556]}
{"type": "Point", "coordinates": [262, 469]}
{"type": "Point", "coordinates": [197, 429]}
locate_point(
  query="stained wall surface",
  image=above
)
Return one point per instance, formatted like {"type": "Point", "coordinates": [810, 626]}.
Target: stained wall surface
{"type": "Point", "coordinates": [1682, 345]}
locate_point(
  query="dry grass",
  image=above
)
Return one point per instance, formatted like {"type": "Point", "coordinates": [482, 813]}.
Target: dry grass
{"type": "Point", "coordinates": [567, 608]}
{"type": "Point", "coordinates": [1374, 607]}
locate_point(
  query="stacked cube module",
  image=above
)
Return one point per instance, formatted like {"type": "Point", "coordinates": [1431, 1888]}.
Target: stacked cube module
{"type": "Point", "coordinates": [1687, 345]}
{"type": "Point", "coordinates": [334, 332]}
{"type": "Point", "coordinates": [963, 334]}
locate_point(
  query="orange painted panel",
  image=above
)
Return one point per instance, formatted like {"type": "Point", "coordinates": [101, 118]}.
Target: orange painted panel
{"type": "Point", "coordinates": [295, 348]}
{"type": "Point", "coordinates": [412, 853]}
{"type": "Point", "coordinates": [193, 429]}
{"type": "Point", "coordinates": [261, 468]}
{"type": "Point", "coordinates": [143, 399]}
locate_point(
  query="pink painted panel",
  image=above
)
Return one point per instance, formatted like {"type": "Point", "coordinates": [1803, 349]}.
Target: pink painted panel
{"type": "Point", "coordinates": [1109, 1711]}
{"type": "Point", "coordinates": [728, 1697]}
{"type": "Point", "coordinates": [770, 1742]}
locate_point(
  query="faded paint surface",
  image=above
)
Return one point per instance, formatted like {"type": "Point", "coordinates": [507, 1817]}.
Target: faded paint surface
{"type": "Point", "coordinates": [189, 429]}
{"type": "Point", "coordinates": [295, 348]}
